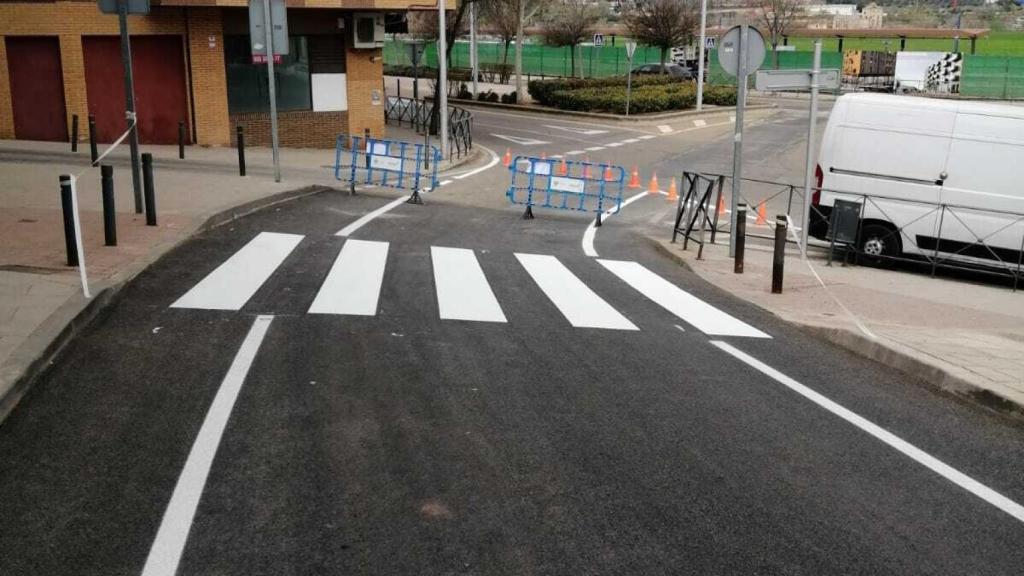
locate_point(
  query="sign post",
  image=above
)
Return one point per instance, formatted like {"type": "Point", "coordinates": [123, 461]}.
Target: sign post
{"type": "Point", "coordinates": [630, 50]}
{"type": "Point", "coordinates": [700, 56]}
{"type": "Point", "coordinates": [742, 53]}
{"type": "Point", "coordinates": [441, 95]}
{"type": "Point", "coordinates": [269, 17]}
{"type": "Point", "coordinates": [809, 173]}
{"type": "Point", "coordinates": [415, 55]}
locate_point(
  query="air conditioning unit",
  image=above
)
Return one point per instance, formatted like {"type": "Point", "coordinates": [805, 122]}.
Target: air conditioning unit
{"type": "Point", "coordinates": [368, 30]}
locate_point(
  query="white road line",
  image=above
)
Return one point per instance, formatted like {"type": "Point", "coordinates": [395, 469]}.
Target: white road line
{"type": "Point", "coordinates": [353, 284]}
{"type": "Point", "coordinates": [462, 289]}
{"type": "Point", "coordinates": [689, 308]}
{"type": "Point", "coordinates": [647, 137]}
{"type": "Point", "coordinates": [584, 131]}
{"type": "Point", "coordinates": [631, 140]}
{"type": "Point", "coordinates": [907, 449]}
{"type": "Point", "coordinates": [578, 303]}
{"type": "Point", "coordinates": [494, 160]}
{"type": "Point", "coordinates": [680, 328]}
{"type": "Point", "coordinates": [366, 219]}
{"type": "Point", "coordinates": [232, 283]}
{"type": "Point", "coordinates": [700, 123]}
{"type": "Point", "coordinates": [591, 231]}
{"type": "Point", "coordinates": [574, 152]}
{"type": "Point", "coordinates": [165, 555]}
{"type": "Point", "coordinates": [595, 148]}
{"type": "Point", "coordinates": [665, 128]}
{"type": "Point", "coordinates": [444, 182]}
{"type": "Point", "coordinates": [613, 144]}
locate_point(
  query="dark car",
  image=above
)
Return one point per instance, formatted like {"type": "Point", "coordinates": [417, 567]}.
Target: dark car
{"type": "Point", "coordinates": [674, 70]}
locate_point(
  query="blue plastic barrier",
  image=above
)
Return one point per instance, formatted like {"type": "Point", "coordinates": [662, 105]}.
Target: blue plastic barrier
{"type": "Point", "coordinates": [391, 163]}
{"type": "Point", "coordinates": [565, 185]}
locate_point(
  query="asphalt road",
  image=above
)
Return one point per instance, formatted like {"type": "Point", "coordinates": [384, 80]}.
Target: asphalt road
{"type": "Point", "coordinates": [362, 429]}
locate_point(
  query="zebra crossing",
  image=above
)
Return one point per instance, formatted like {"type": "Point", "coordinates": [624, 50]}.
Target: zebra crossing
{"type": "Point", "coordinates": [354, 282]}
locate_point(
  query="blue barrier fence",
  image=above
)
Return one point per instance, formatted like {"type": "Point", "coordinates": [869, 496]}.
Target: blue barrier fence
{"type": "Point", "coordinates": [391, 163]}
{"type": "Point", "coordinates": [565, 185]}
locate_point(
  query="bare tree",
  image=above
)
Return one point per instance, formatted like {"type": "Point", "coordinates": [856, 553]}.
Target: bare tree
{"type": "Point", "coordinates": [662, 23]}
{"type": "Point", "coordinates": [502, 18]}
{"type": "Point", "coordinates": [569, 23]}
{"type": "Point", "coordinates": [778, 17]}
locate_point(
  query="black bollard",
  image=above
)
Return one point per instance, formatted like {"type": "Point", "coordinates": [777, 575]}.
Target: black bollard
{"type": "Point", "coordinates": [367, 148]}
{"type": "Point", "coordinates": [241, 152]}
{"type": "Point", "coordinates": [741, 237]}
{"type": "Point", "coordinates": [109, 216]}
{"type": "Point", "coordinates": [74, 132]}
{"type": "Point", "coordinates": [95, 154]}
{"type": "Point", "coordinates": [147, 188]}
{"type": "Point", "coordinates": [597, 221]}
{"type": "Point", "coordinates": [181, 139]}
{"type": "Point", "coordinates": [69, 220]}
{"type": "Point", "coordinates": [779, 257]}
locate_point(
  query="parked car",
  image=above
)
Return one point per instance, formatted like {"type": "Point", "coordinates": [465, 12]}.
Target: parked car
{"type": "Point", "coordinates": [674, 70]}
{"type": "Point", "coordinates": [936, 177]}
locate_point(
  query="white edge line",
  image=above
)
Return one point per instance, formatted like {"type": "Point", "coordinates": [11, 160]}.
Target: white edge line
{"type": "Point", "coordinates": [494, 160]}
{"type": "Point", "coordinates": [591, 231]}
{"type": "Point", "coordinates": [574, 152]}
{"type": "Point", "coordinates": [367, 218]}
{"type": "Point", "coordinates": [907, 449]}
{"type": "Point", "coordinates": [595, 148]}
{"type": "Point", "coordinates": [165, 554]}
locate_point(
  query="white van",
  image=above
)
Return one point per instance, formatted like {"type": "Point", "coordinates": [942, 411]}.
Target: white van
{"type": "Point", "coordinates": [909, 155]}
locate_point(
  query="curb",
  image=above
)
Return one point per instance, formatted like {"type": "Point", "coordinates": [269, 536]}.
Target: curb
{"type": "Point", "coordinates": [659, 117]}
{"type": "Point", "coordinates": [885, 353]}
{"type": "Point", "coordinates": [31, 359]}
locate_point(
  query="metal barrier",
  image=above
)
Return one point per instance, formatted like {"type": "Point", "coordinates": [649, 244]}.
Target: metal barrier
{"type": "Point", "coordinates": [417, 114]}
{"type": "Point", "coordinates": [565, 185]}
{"type": "Point", "coordinates": [395, 164]}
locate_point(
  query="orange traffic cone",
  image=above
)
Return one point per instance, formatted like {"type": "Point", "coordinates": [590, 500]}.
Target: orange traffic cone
{"type": "Point", "coordinates": [762, 214]}
{"type": "Point", "coordinates": [563, 168]}
{"type": "Point", "coordinates": [673, 194]}
{"type": "Point", "coordinates": [634, 180]}
{"type": "Point", "coordinates": [586, 167]}
{"type": "Point", "coordinates": [652, 186]}
{"type": "Point", "coordinates": [721, 206]}
{"type": "Point", "coordinates": [508, 157]}
{"type": "Point", "coordinates": [608, 174]}
{"type": "Point", "coordinates": [543, 155]}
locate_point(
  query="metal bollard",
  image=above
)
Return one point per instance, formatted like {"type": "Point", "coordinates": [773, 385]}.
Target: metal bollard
{"type": "Point", "coordinates": [92, 139]}
{"type": "Point", "coordinates": [779, 256]}
{"type": "Point", "coordinates": [69, 220]}
{"type": "Point", "coordinates": [366, 143]}
{"type": "Point", "coordinates": [147, 187]}
{"type": "Point", "coordinates": [181, 139]}
{"type": "Point", "coordinates": [74, 132]}
{"type": "Point", "coordinates": [109, 216]}
{"type": "Point", "coordinates": [241, 152]}
{"type": "Point", "coordinates": [741, 237]}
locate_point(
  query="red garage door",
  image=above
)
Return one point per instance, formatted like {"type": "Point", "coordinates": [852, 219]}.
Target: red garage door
{"type": "Point", "coordinates": [37, 88]}
{"type": "Point", "coordinates": [158, 66]}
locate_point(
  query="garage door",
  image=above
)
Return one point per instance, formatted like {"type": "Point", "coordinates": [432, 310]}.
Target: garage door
{"type": "Point", "coordinates": [160, 95]}
{"type": "Point", "coordinates": [37, 88]}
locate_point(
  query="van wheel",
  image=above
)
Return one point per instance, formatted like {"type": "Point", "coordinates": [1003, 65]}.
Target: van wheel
{"type": "Point", "coordinates": [878, 241]}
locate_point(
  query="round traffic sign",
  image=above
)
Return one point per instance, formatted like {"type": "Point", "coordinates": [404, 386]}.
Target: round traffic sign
{"type": "Point", "coordinates": [729, 50]}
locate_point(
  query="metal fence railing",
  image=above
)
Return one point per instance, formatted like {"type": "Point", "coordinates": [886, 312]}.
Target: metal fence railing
{"type": "Point", "coordinates": [417, 115]}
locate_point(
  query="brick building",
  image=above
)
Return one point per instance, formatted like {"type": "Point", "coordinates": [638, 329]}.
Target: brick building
{"type": "Point", "coordinates": [192, 63]}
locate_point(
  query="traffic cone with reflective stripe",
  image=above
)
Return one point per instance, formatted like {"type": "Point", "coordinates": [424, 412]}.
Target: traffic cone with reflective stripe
{"type": "Point", "coordinates": [508, 157]}
{"type": "Point", "coordinates": [762, 214]}
{"type": "Point", "coordinates": [634, 180]}
{"type": "Point", "coordinates": [608, 174]}
{"type": "Point", "coordinates": [673, 194]}
{"type": "Point", "coordinates": [652, 186]}
{"type": "Point", "coordinates": [721, 205]}
{"type": "Point", "coordinates": [563, 168]}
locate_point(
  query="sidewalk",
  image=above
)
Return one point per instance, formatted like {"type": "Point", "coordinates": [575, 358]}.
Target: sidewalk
{"type": "Point", "coordinates": [958, 336]}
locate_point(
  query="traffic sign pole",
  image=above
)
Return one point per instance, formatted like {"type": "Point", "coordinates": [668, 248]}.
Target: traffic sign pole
{"type": "Point", "coordinates": [630, 50]}
{"type": "Point", "coordinates": [702, 48]}
{"type": "Point", "coordinates": [737, 141]}
{"type": "Point", "coordinates": [809, 173]}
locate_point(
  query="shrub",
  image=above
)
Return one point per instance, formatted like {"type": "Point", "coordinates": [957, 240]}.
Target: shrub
{"type": "Point", "coordinates": [508, 98]}
{"type": "Point", "coordinates": [541, 90]}
{"type": "Point", "coordinates": [720, 95]}
{"type": "Point", "coordinates": [650, 94]}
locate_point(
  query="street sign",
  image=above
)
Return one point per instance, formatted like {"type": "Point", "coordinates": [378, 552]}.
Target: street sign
{"type": "Point", "coordinates": [134, 6]}
{"type": "Point", "coordinates": [771, 80]}
{"type": "Point", "coordinates": [630, 50]}
{"type": "Point", "coordinates": [415, 52]}
{"type": "Point", "coordinates": [278, 28]}
{"type": "Point", "coordinates": [598, 40]}
{"type": "Point", "coordinates": [728, 53]}
{"type": "Point", "coordinates": [709, 43]}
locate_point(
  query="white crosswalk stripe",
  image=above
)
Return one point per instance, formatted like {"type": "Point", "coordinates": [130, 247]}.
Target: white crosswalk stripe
{"type": "Point", "coordinates": [578, 303]}
{"type": "Point", "coordinates": [462, 289]}
{"type": "Point", "coordinates": [353, 284]}
{"type": "Point", "coordinates": [232, 283]}
{"type": "Point", "coordinates": [687, 307]}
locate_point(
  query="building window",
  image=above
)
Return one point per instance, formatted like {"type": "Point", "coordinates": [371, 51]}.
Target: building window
{"type": "Point", "coordinates": [247, 82]}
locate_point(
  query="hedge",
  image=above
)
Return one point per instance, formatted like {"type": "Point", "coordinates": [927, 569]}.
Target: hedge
{"type": "Point", "coordinates": [645, 99]}
{"type": "Point", "coordinates": [541, 90]}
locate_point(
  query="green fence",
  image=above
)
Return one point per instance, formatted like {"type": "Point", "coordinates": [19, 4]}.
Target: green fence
{"type": "Point", "coordinates": [993, 77]}
{"type": "Point", "coordinates": [787, 61]}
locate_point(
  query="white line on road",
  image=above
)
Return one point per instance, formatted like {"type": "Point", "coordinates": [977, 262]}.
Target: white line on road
{"type": "Point", "coordinates": [907, 449]}
{"type": "Point", "coordinates": [631, 140]}
{"type": "Point", "coordinates": [232, 283]}
{"type": "Point", "coordinates": [687, 307]}
{"type": "Point", "coordinates": [647, 137]}
{"type": "Point", "coordinates": [665, 128]}
{"type": "Point", "coordinates": [353, 284]}
{"type": "Point", "coordinates": [579, 304]}
{"type": "Point", "coordinates": [680, 328]}
{"type": "Point", "coordinates": [574, 152]}
{"type": "Point", "coordinates": [595, 148]}
{"type": "Point", "coordinates": [591, 231]}
{"type": "Point", "coordinates": [521, 141]}
{"type": "Point", "coordinates": [366, 219]}
{"type": "Point", "coordinates": [494, 160]}
{"type": "Point", "coordinates": [700, 123]}
{"type": "Point", "coordinates": [584, 131]}
{"type": "Point", "coordinates": [165, 555]}
{"type": "Point", "coordinates": [462, 289]}
{"type": "Point", "coordinates": [613, 144]}
{"type": "Point", "coordinates": [444, 182]}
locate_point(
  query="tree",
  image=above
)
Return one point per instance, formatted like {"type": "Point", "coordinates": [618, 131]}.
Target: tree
{"type": "Point", "coordinates": [778, 16]}
{"type": "Point", "coordinates": [569, 23]}
{"type": "Point", "coordinates": [662, 23]}
{"type": "Point", "coordinates": [507, 18]}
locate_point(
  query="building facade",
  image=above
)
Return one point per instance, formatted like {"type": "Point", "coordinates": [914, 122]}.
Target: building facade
{"type": "Point", "coordinates": [192, 64]}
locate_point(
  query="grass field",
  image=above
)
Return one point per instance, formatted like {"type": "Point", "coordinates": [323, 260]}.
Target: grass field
{"type": "Point", "coordinates": [995, 44]}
